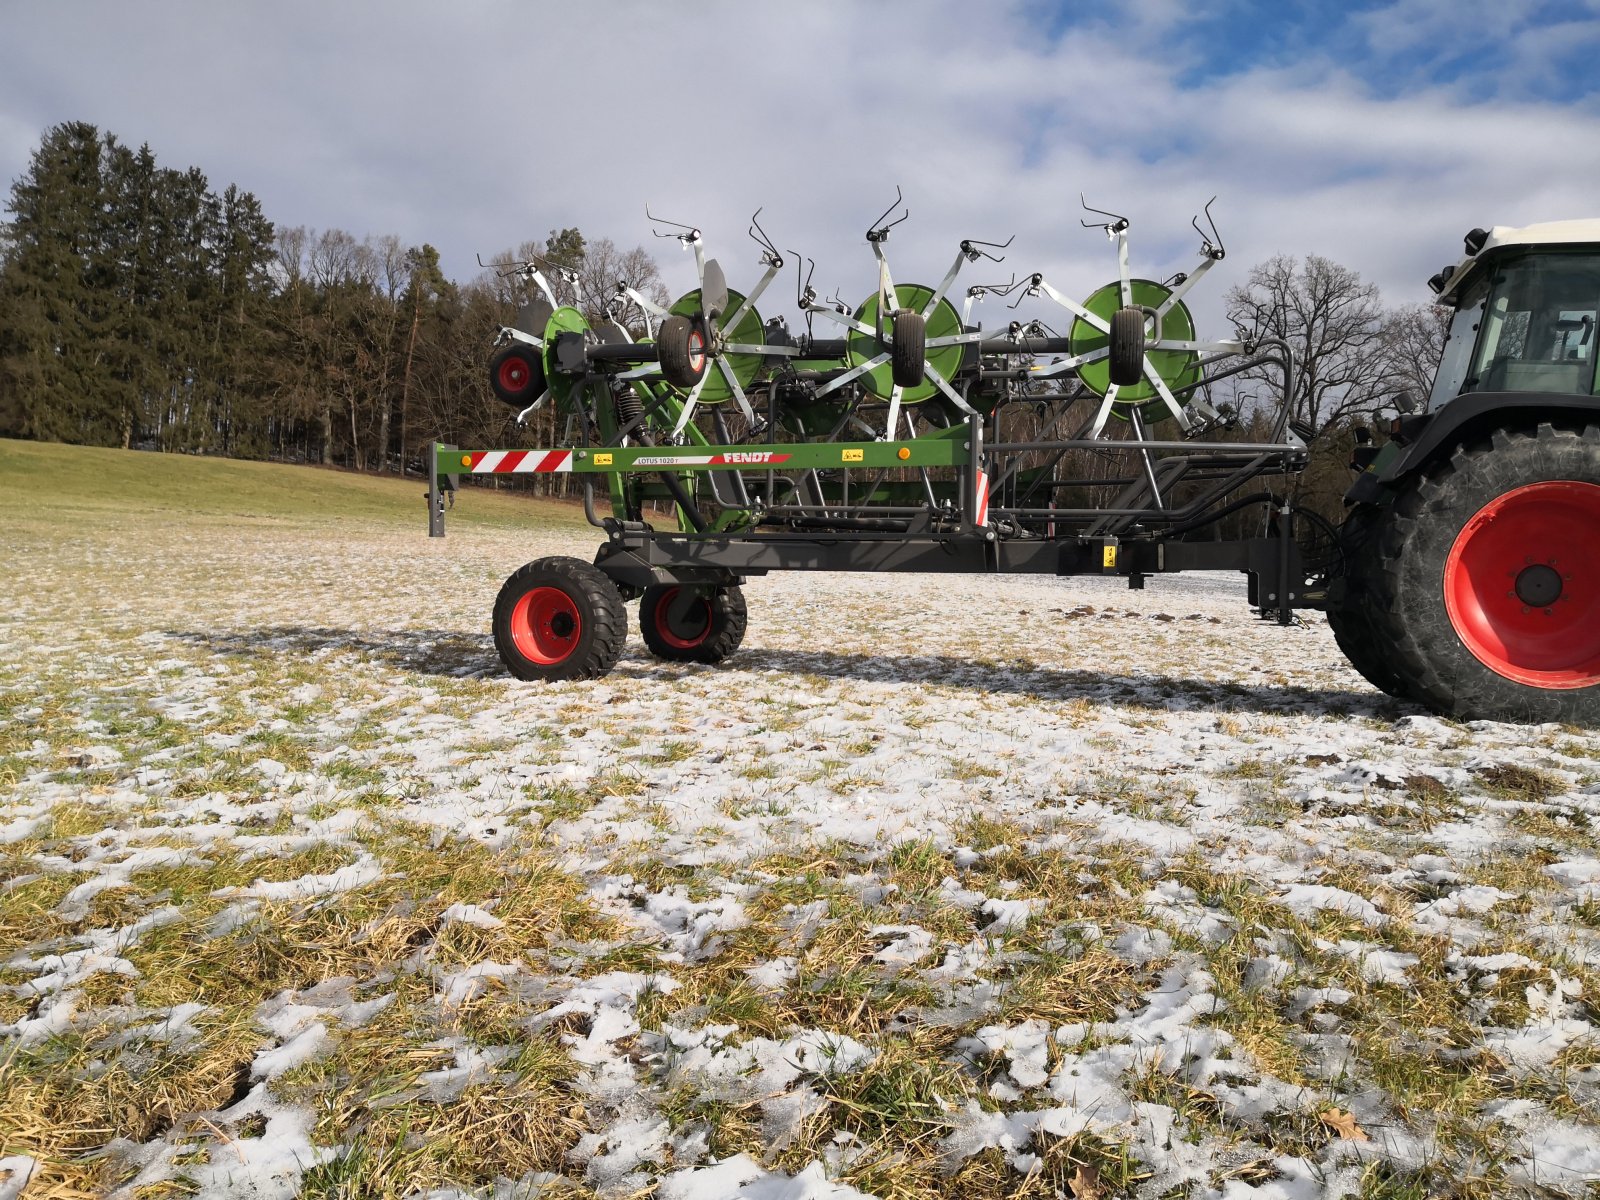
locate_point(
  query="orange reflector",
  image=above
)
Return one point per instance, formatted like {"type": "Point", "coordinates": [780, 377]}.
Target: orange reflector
{"type": "Point", "coordinates": [904, 452]}
{"type": "Point", "coordinates": [466, 460]}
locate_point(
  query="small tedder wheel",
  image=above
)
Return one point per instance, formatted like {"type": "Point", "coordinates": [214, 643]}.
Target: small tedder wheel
{"type": "Point", "coordinates": [908, 355]}
{"type": "Point", "coordinates": [516, 375]}
{"type": "Point", "coordinates": [682, 346]}
{"type": "Point", "coordinates": [1486, 588]}
{"type": "Point", "coordinates": [559, 618]}
{"type": "Point", "coordinates": [1127, 347]}
{"type": "Point", "coordinates": [682, 625]}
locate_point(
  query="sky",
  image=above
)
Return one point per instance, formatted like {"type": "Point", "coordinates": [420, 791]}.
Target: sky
{"type": "Point", "coordinates": [1375, 134]}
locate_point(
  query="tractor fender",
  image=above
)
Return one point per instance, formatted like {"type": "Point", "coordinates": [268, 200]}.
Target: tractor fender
{"type": "Point", "coordinates": [1426, 438]}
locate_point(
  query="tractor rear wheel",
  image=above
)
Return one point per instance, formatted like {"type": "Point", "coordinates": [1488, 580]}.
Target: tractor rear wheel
{"type": "Point", "coordinates": [1350, 616]}
{"type": "Point", "coordinates": [516, 375]}
{"type": "Point", "coordinates": [559, 618]}
{"type": "Point", "coordinates": [701, 627]}
{"type": "Point", "coordinates": [1486, 580]}
{"type": "Point", "coordinates": [682, 346]}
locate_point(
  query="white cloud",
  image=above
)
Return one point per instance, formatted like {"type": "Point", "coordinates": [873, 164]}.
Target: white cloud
{"type": "Point", "coordinates": [476, 127]}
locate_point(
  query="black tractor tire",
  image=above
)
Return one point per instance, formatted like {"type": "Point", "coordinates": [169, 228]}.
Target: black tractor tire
{"type": "Point", "coordinates": [1486, 585]}
{"type": "Point", "coordinates": [1127, 347]}
{"type": "Point", "coordinates": [908, 355]}
{"type": "Point", "coordinates": [684, 351]}
{"type": "Point", "coordinates": [516, 375]}
{"type": "Point", "coordinates": [710, 632]}
{"type": "Point", "coordinates": [1350, 614]}
{"type": "Point", "coordinates": [559, 618]}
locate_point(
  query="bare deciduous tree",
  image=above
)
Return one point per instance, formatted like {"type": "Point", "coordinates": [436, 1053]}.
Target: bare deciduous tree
{"type": "Point", "coordinates": [1413, 338]}
{"type": "Point", "coordinates": [581, 273]}
{"type": "Point", "coordinates": [1333, 324]}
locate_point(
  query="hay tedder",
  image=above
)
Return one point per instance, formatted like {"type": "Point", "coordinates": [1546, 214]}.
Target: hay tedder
{"type": "Point", "coordinates": [899, 435]}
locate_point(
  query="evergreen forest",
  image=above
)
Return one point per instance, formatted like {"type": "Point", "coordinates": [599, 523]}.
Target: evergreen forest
{"type": "Point", "coordinates": [142, 308]}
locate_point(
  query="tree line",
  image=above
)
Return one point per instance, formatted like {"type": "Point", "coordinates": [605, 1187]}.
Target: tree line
{"type": "Point", "coordinates": [141, 308]}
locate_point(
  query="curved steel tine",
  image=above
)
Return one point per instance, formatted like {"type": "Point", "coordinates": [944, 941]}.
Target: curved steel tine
{"type": "Point", "coordinates": [969, 247]}
{"type": "Point", "coordinates": [771, 257]}
{"type": "Point", "coordinates": [693, 234]}
{"type": "Point", "coordinates": [1212, 246]}
{"type": "Point", "coordinates": [877, 232]}
{"type": "Point", "coordinates": [1117, 223]}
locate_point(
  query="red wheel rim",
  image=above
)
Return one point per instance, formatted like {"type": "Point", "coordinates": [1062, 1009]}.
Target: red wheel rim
{"type": "Point", "coordinates": [697, 351]}
{"type": "Point", "coordinates": [514, 375]}
{"type": "Point", "coordinates": [665, 632]}
{"type": "Point", "coordinates": [1522, 585]}
{"type": "Point", "coordinates": [545, 625]}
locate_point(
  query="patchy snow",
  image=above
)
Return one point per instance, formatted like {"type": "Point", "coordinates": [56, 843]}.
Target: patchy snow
{"type": "Point", "coordinates": [1233, 819]}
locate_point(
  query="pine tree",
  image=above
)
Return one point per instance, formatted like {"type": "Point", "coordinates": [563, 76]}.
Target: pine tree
{"type": "Point", "coordinates": [50, 316]}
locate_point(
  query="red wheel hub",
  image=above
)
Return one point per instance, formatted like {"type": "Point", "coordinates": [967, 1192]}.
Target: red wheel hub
{"type": "Point", "coordinates": [514, 375]}
{"type": "Point", "coordinates": [697, 351]}
{"type": "Point", "coordinates": [695, 628]}
{"type": "Point", "coordinates": [1522, 585]}
{"type": "Point", "coordinates": [545, 625]}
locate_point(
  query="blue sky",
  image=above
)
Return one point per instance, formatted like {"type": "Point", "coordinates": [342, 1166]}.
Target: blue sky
{"type": "Point", "coordinates": [1375, 134]}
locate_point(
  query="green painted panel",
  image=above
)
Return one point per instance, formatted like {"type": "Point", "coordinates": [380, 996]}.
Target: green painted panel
{"type": "Point", "coordinates": [564, 320]}
{"type": "Point", "coordinates": [1176, 367]}
{"type": "Point", "coordinates": [750, 332]}
{"type": "Point", "coordinates": [944, 450]}
{"type": "Point", "coordinates": [943, 321]}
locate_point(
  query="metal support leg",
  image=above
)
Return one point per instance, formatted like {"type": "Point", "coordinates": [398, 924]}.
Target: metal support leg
{"type": "Point", "coordinates": [1285, 553]}
{"type": "Point", "coordinates": [436, 491]}
{"type": "Point", "coordinates": [974, 472]}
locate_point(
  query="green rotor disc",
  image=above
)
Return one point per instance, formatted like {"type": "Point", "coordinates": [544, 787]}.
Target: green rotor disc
{"type": "Point", "coordinates": [1176, 367]}
{"type": "Point", "coordinates": [563, 320]}
{"type": "Point", "coordinates": [943, 321]}
{"type": "Point", "coordinates": [749, 333]}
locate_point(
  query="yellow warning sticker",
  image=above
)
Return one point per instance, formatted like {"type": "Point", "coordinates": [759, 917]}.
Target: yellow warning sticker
{"type": "Point", "coordinates": [602, 460]}
{"type": "Point", "coordinates": [1109, 556]}
{"type": "Point", "coordinates": [854, 456]}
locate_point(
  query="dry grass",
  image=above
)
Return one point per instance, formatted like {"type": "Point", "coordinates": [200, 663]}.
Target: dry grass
{"type": "Point", "coordinates": [829, 800]}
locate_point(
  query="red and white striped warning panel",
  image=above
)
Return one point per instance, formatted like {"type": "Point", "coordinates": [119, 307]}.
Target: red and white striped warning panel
{"type": "Point", "coordinates": [518, 462]}
{"type": "Point", "coordinates": [982, 498]}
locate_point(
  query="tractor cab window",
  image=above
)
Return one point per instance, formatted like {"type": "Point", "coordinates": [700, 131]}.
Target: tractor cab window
{"type": "Point", "coordinates": [1537, 326]}
{"type": "Point", "coordinates": [1449, 379]}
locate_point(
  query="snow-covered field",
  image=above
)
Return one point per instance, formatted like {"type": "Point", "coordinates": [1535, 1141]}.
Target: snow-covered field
{"type": "Point", "coordinates": [941, 886]}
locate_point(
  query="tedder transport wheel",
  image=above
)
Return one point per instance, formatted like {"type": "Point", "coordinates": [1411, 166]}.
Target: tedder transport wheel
{"type": "Point", "coordinates": [681, 343]}
{"type": "Point", "coordinates": [559, 618]}
{"type": "Point", "coordinates": [1486, 581]}
{"type": "Point", "coordinates": [1351, 615]}
{"type": "Point", "coordinates": [1127, 347]}
{"type": "Point", "coordinates": [909, 352]}
{"type": "Point", "coordinates": [516, 375]}
{"type": "Point", "coordinates": [708, 629]}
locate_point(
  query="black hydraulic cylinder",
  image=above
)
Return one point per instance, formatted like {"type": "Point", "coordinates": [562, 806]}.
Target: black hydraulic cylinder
{"type": "Point", "coordinates": [624, 352]}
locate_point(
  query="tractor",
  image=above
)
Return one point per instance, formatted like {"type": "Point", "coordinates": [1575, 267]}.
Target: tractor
{"type": "Point", "coordinates": [1470, 557]}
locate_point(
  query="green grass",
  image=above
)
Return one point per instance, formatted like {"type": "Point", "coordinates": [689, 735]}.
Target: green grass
{"type": "Point", "coordinates": [75, 483]}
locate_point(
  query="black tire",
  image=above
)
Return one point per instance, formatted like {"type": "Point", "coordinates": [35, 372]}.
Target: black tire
{"type": "Point", "coordinates": [1350, 612]}
{"type": "Point", "coordinates": [682, 346]}
{"type": "Point", "coordinates": [908, 356]}
{"type": "Point", "coordinates": [559, 618]}
{"type": "Point", "coordinates": [1127, 346]}
{"type": "Point", "coordinates": [1486, 583]}
{"type": "Point", "coordinates": [516, 375]}
{"type": "Point", "coordinates": [712, 630]}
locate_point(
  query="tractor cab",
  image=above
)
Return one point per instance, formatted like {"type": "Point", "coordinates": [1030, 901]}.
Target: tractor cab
{"type": "Point", "coordinates": [1527, 304]}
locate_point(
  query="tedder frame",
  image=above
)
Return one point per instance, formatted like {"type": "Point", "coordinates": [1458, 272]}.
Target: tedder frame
{"type": "Point", "coordinates": [907, 438]}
